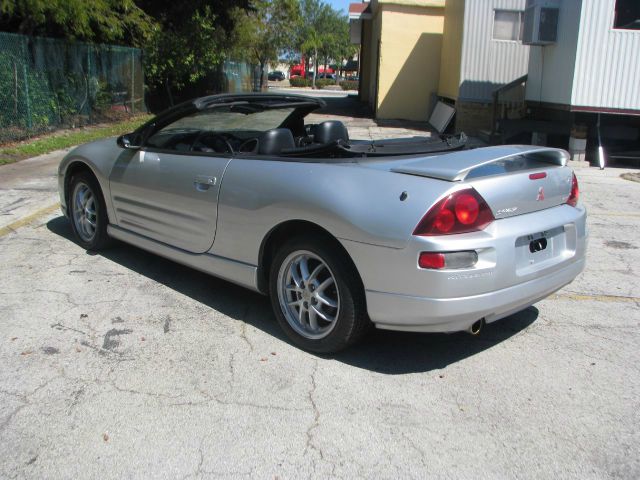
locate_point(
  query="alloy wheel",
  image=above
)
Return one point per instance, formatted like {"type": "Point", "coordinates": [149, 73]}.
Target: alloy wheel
{"type": "Point", "coordinates": [308, 294]}
{"type": "Point", "coordinates": [84, 211]}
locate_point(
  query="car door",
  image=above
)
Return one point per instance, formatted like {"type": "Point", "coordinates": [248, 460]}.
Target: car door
{"type": "Point", "coordinates": [169, 193]}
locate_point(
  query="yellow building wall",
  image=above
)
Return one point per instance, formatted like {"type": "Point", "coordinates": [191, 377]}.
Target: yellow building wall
{"type": "Point", "coordinates": [411, 44]}
{"type": "Point", "coordinates": [451, 60]}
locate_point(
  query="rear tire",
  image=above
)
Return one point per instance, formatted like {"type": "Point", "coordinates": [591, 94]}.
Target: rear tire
{"type": "Point", "coordinates": [317, 295]}
{"type": "Point", "coordinates": [88, 212]}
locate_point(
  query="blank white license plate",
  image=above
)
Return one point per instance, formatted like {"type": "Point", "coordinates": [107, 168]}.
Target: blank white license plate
{"type": "Point", "coordinates": [539, 247]}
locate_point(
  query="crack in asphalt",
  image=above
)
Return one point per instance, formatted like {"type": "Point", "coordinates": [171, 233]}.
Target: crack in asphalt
{"type": "Point", "coordinates": [243, 328]}
{"type": "Point", "coordinates": [316, 415]}
{"type": "Point", "coordinates": [60, 326]}
{"type": "Point", "coordinates": [25, 398]}
{"type": "Point", "coordinates": [11, 416]}
{"type": "Point", "coordinates": [208, 398]}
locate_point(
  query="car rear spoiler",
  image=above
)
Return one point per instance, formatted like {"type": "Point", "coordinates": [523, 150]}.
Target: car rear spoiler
{"type": "Point", "coordinates": [454, 167]}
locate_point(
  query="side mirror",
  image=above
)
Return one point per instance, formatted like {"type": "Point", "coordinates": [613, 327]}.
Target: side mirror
{"type": "Point", "coordinates": [129, 140]}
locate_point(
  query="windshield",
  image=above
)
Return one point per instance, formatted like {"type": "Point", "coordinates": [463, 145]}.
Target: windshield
{"type": "Point", "coordinates": [219, 129]}
{"type": "Point", "coordinates": [231, 118]}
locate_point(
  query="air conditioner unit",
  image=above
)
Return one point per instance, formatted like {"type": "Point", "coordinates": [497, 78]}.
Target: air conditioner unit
{"type": "Point", "coordinates": [541, 22]}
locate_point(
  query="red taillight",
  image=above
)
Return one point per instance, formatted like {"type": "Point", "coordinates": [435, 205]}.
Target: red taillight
{"type": "Point", "coordinates": [461, 212]}
{"type": "Point", "coordinates": [444, 221]}
{"type": "Point", "coordinates": [431, 260]}
{"type": "Point", "coordinates": [575, 192]}
{"type": "Point", "coordinates": [467, 209]}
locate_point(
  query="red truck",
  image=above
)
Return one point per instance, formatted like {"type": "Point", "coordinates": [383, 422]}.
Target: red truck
{"type": "Point", "coordinates": [298, 70]}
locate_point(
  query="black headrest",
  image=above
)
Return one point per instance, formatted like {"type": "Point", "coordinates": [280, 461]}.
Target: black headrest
{"type": "Point", "coordinates": [274, 141]}
{"type": "Point", "coordinates": [330, 131]}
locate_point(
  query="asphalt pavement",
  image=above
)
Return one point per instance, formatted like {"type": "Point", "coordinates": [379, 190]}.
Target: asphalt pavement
{"type": "Point", "coordinates": [121, 364]}
{"type": "Point", "coordinates": [28, 188]}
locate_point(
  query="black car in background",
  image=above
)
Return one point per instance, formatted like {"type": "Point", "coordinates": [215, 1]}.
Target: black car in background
{"type": "Point", "coordinates": [276, 76]}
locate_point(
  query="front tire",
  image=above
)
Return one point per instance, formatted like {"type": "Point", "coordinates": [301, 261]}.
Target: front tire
{"type": "Point", "coordinates": [88, 212]}
{"type": "Point", "coordinates": [317, 295]}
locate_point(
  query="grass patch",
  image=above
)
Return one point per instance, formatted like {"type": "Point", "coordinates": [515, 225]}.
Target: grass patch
{"type": "Point", "coordinates": [67, 138]}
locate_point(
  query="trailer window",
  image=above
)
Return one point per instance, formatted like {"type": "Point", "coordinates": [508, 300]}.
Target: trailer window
{"type": "Point", "coordinates": [627, 15]}
{"type": "Point", "coordinates": [507, 25]}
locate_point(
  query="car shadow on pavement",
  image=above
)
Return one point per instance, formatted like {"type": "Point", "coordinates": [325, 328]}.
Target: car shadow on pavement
{"type": "Point", "coordinates": [349, 106]}
{"type": "Point", "coordinates": [232, 300]}
{"type": "Point", "coordinates": [382, 351]}
{"type": "Point", "coordinates": [397, 353]}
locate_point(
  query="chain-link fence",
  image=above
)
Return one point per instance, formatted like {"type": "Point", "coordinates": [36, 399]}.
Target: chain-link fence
{"type": "Point", "coordinates": [240, 77]}
{"type": "Point", "coordinates": [47, 84]}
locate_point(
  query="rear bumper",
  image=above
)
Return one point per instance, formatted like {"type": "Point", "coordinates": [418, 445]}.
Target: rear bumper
{"type": "Point", "coordinates": [423, 314]}
{"type": "Point", "coordinates": [506, 278]}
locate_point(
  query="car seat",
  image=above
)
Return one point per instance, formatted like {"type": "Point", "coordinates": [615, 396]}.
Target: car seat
{"type": "Point", "coordinates": [274, 141]}
{"type": "Point", "coordinates": [330, 131]}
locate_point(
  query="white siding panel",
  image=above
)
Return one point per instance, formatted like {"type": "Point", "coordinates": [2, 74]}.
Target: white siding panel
{"type": "Point", "coordinates": [486, 63]}
{"type": "Point", "coordinates": [607, 69]}
{"type": "Point", "coordinates": [551, 68]}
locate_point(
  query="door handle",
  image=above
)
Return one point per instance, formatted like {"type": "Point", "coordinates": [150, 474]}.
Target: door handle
{"type": "Point", "coordinates": [204, 182]}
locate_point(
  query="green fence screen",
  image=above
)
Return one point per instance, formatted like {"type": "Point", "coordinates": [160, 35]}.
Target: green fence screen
{"type": "Point", "coordinates": [47, 84]}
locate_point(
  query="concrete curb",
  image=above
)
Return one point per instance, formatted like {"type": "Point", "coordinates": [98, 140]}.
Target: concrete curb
{"type": "Point", "coordinates": [12, 227]}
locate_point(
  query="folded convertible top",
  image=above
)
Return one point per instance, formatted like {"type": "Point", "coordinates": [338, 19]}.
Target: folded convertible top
{"type": "Point", "coordinates": [406, 146]}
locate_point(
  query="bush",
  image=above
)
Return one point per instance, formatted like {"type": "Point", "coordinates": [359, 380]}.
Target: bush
{"type": "Point", "coordinates": [349, 84]}
{"type": "Point", "coordinates": [323, 82]}
{"type": "Point", "coordinates": [299, 82]}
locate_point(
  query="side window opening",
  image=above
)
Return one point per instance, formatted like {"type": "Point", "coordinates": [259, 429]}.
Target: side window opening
{"type": "Point", "coordinates": [627, 15]}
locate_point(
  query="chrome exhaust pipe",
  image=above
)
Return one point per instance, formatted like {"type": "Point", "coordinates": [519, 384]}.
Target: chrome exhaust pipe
{"type": "Point", "coordinates": [476, 328]}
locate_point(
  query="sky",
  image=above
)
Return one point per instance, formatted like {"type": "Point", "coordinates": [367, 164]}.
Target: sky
{"type": "Point", "coordinates": [341, 4]}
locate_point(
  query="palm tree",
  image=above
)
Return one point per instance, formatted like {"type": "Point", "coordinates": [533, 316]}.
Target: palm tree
{"type": "Point", "coordinates": [313, 43]}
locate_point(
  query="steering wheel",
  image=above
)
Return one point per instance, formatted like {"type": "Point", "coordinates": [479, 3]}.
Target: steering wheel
{"type": "Point", "coordinates": [249, 141]}
{"type": "Point", "coordinates": [215, 137]}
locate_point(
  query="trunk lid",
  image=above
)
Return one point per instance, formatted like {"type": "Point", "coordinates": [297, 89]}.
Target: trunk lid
{"type": "Point", "coordinates": [513, 180]}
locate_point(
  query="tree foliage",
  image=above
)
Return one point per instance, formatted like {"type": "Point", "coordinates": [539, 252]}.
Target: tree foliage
{"type": "Point", "coordinates": [323, 33]}
{"type": "Point", "coordinates": [337, 43]}
{"type": "Point", "coordinates": [264, 30]}
{"type": "Point", "coordinates": [272, 30]}
{"type": "Point", "coordinates": [189, 40]}
{"type": "Point", "coordinates": [183, 52]}
{"type": "Point", "coordinates": [312, 35]}
{"type": "Point", "coordinates": [185, 42]}
{"type": "Point", "coordinates": [101, 21]}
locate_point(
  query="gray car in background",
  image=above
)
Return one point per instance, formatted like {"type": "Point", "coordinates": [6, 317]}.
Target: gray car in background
{"type": "Point", "coordinates": [415, 234]}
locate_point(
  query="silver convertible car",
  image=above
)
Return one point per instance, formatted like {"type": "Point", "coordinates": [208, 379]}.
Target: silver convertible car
{"type": "Point", "coordinates": [415, 234]}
